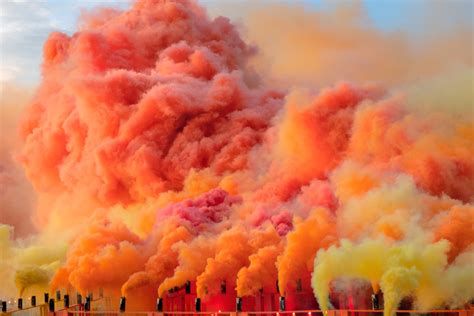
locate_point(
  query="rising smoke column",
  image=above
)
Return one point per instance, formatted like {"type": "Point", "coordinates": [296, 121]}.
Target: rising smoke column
{"type": "Point", "coordinates": [150, 132]}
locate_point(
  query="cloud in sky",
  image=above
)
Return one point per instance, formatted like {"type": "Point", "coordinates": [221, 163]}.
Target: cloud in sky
{"type": "Point", "coordinates": [25, 25]}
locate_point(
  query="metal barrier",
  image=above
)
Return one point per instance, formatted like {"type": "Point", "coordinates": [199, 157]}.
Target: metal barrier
{"type": "Point", "coordinates": [39, 310]}
{"type": "Point", "coordinates": [98, 305]}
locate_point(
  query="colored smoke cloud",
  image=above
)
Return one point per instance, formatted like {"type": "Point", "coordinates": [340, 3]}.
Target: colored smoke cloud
{"type": "Point", "coordinates": [16, 194]}
{"type": "Point", "coordinates": [162, 136]}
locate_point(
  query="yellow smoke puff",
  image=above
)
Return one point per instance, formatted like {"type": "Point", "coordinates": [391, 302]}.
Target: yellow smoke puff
{"type": "Point", "coordinates": [415, 268]}
{"type": "Point", "coordinates": [26, 266]}
{"type": "Point", "coordinates": [31, 276]}
{"type": "Point", "coordinates": [397, 283]}
{"type": "Point", "coordinates": [366, 261]}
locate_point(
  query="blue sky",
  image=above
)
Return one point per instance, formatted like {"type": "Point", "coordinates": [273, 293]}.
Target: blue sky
{"type": "Point", "coordinates": [24, 25]}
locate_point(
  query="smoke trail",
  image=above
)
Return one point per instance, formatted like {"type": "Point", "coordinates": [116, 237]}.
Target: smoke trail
{"type": "Point", "coordinates": [177, 163]}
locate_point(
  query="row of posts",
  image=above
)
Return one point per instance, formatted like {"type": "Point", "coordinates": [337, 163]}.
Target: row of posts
{"type": "Point", "coordinates": [159, 301]}
{"type": "Point", "coordinates": [197, 302]}
{"type": "Point", "coordinates": [122, 306]}
{"type": "Point", "coordinates": [51, 302]}
{"type": "Point", "coordinates": [238, 304]}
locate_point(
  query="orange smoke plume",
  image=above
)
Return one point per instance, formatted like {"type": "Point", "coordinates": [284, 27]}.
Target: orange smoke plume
{"type": "Point", "coordinates": [152, 132]}
{"type": "Point", "coordinates": [314, 233]}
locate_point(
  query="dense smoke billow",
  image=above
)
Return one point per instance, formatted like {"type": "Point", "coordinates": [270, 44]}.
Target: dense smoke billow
{"type": "Point", "coordinates": [165, 147]}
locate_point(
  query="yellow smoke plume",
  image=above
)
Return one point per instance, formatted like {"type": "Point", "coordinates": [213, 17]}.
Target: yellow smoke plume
{"type": "Point", "coordinates": [402, 269]}
{"type": "Point", "coordinates": [32, 276]}
{"type": "Point", "coordinates": [27, 266]}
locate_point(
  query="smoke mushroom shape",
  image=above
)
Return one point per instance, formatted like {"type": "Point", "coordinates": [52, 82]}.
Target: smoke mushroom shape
{"type": "Point", "coordinates": [30, 277]}
{"type": "Point", "coordinates": [179, 163]}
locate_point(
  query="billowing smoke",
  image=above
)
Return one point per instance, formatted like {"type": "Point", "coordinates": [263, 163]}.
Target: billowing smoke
{"type": "Point", "coordinates": [161, 155]}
